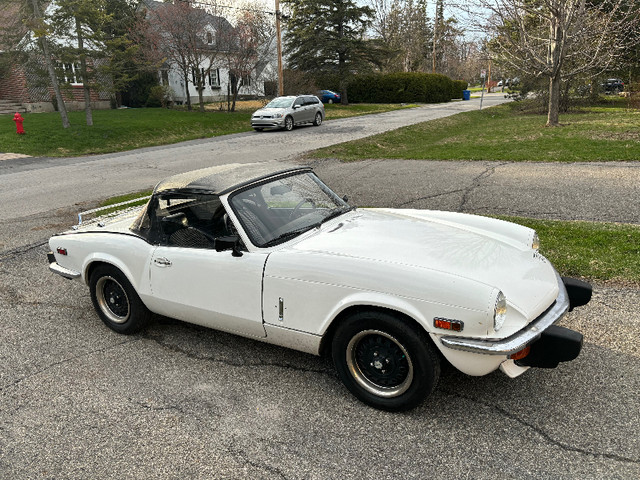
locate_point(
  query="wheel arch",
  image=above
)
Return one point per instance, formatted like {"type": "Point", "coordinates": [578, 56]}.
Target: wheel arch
{"type": "Point", "coordinates": [327, 337]}
{"type": "Point", "coordinates": [95, 261]}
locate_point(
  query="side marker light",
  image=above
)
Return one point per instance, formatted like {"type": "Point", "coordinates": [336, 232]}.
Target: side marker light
{"type": "Point", "coordinates": [446, 324]}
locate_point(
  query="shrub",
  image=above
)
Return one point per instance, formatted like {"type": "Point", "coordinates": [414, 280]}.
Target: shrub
{"type": "Point", "coordinates": [408, 87]}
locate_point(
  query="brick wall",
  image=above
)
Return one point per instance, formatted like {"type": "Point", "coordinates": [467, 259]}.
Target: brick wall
{"type": "Point", "coordinates": [30, 84]}
{"type": "Point", "coordinates": [13, 86]}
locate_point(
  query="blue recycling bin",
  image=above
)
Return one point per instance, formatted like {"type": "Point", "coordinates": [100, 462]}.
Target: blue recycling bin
{"type": "Point", "coordinates": [466, 94]}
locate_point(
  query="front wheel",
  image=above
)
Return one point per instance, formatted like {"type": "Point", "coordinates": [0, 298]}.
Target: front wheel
{"type": "Point", "coordinates": [318, 121]}
{"type": "Point", "coordinates": [330, 100]}
{"type": "Point", "coordinates": [117, 303]}
{"type": "Point", "coordinates": [288, 124]}
{"type": "Point", "coordinates": [384, 361]}
{"type": "Point", "coordinates": [258, 129]}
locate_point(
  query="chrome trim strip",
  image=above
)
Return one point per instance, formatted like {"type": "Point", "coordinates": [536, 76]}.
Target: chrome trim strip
{"type": "Point", "coordinates": [65, 272]}
{"type": "Point", "coordinates": [518, 340]}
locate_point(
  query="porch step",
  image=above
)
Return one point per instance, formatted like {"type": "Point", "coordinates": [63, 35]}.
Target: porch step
{"type": "Point", "coordinates": [11, 107]}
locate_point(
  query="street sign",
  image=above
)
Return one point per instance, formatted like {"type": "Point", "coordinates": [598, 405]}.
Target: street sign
{"type": "Point", "coordinates": [483, 74]}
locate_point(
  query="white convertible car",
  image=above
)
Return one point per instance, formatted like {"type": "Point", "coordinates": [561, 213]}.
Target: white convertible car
{"type": "Point", "coordinates": [271, 253]}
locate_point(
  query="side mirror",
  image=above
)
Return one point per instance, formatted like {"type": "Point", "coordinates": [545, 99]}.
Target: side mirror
{"type": "Point", "coordinates": [295, 107]}
{"type": "Point", "coordinates": [230, 242]}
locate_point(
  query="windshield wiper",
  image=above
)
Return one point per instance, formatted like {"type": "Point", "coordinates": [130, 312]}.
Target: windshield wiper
{"type": "Point", "coordinates": [298, 231]}
{"type": "Point", "coordinates": [292, 233]}
{"type": "Point", "coordinates": [336, 213]}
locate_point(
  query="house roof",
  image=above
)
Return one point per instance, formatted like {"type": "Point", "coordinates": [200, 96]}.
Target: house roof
{"type": "Point", "coordinates": [12, 29]}
{"type": "Point", "coordinates": [223, 179]}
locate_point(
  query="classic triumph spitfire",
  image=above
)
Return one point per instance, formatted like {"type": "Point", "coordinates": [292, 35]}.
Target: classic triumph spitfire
{"type": "Point", "coordinates": [271, 253]}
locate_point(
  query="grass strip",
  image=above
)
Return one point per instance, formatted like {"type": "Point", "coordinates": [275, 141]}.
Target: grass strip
{"type": "Point", "coordinates": [594, 250]}
{"type": "Point", "coordinates": [127, 129]}
{"type": "Point", "coordinates": [508, 132]}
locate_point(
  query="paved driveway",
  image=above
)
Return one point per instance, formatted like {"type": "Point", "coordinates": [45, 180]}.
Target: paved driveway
{"type": "Point", "coordinates": [78, 401]}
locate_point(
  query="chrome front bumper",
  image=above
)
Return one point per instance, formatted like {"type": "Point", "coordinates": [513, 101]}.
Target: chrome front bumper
{"type": "Point", "coordinates": [520, 339]}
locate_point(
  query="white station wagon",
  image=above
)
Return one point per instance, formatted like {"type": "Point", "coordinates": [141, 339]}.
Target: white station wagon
{"type": "Point", "coordinates": [271, 253]}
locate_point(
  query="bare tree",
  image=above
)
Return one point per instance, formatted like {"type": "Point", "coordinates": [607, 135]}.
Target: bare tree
{"type": "Point", "coordinates": [189, 37]}
{"type": "Point", "coordinates": [557, 39]}
{"type": "Point", "coordinates": [247, 47]}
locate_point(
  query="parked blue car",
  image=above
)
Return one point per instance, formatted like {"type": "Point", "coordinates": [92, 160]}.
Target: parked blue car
{"type": "Point", "coordinates": [327, 96]}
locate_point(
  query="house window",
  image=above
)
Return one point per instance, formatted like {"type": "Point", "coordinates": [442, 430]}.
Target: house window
{"type": "Point", "coordinates": [70, 73]}
{"type": "Point", "coordinates": [202, 76]}
{"type": "Point", "coordinates": [164, 77]}
{"type": "Point", "coordinates": [245, 81]}
{"type": "Point", "coordinates": [214, 77]}
{"type": "Point", "coordinates": [209, 38]}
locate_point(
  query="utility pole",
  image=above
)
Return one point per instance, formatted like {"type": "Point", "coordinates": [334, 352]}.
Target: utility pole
{"type": "Point", "coordinates": [279, 42]}
{"type": "Point", "coordinates": [433, 55]}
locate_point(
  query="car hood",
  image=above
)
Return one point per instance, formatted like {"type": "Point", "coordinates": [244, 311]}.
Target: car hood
{"type": "Point", "coordinates": [269, 111]}
{"type": "Point", "coordinates": [431, 242]}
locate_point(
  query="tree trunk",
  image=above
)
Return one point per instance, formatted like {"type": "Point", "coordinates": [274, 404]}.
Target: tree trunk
{"type": "Point", "coordinates": [186, 89]}
{"type": "Point", "coordinates": [554, 101]}
{"type": "Point", "coordinates": [62, 108]}
{"type": "Point", "coordinates": [85, 78]}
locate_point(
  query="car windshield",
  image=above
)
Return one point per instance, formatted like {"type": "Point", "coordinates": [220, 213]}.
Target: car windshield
{"type": "Point", "coordinates": [281, 209]}
{"type": "Point", "coordinates": [280, 102]}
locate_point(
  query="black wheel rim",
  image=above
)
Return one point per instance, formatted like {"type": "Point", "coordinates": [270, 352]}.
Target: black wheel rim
{"type": "Point", "coordinates": [112, 299]}
{"type": "Point", "coordinates": [379, 363]}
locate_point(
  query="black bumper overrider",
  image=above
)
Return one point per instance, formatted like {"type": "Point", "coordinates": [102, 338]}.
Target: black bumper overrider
{"type": "Point", "coordinates": [556, 344]}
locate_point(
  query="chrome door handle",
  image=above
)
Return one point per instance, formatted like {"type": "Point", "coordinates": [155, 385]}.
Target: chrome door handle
{"type": "Point", "coordinates": [162, 262]}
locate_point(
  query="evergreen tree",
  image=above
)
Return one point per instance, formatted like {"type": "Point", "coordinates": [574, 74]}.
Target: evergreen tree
{"type": "Point", "coordinates": [328, 37]}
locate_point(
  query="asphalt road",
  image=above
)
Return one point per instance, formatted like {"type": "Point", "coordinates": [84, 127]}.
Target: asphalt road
{"type": "Point", "coordinates": [79, 401]}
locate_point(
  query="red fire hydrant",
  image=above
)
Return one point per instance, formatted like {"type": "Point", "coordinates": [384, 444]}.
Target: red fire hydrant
{"type": "Point", "coordinates": [18, 119]}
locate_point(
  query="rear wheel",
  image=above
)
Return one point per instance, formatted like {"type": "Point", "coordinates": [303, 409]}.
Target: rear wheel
{"type": "Point", "coordinates": [384, 361]}
{"type": "Point", "coordinates": [318, 120]}
{"type": "Point", "coordinates": [117, 303]}
{"type": "Point", "coordinates": [288, 124]}
{"type": "Point", "coordinates": [258, 129]}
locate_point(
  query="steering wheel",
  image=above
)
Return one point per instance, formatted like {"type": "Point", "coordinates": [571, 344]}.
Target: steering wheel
{"type": "Point", "coordinates": [300, 204]}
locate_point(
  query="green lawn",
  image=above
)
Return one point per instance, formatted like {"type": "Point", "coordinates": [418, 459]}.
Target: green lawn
{"type": "Point", "coordinates": [509, 132]}
{"type": "Point", "coordinates": [595, 250]}
{"type": "Point", "coordinates": [120, 130]}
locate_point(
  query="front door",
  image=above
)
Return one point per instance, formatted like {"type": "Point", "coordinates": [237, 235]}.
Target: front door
{"type": "Point", "coordinates": [210, 288]}
{"type": "Point", "coordinates": [190, 280]}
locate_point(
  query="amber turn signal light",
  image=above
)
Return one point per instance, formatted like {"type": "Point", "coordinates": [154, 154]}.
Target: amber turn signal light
{"type": "Point", "coordinates": [520, 354]}
{"type": "Point", "coordinates": [446, 324]}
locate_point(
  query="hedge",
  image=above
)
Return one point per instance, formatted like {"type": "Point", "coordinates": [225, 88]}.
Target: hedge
{"type": "Point", "coordinates": [404, 88]}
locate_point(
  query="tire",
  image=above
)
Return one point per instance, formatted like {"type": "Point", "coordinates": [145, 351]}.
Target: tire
{"type": "Point", "coordinates": [258, 129]}
{"type": "Point", "coordinates": [288, 123]}
{"type": "Point", "coordinates": [367, 342]}
{"type": "Point", "coordinates": [116, 302]}
{"type": "Point", "coordinates": [330, 100]}
{"type": "Point", "coordinates": [318, 121]}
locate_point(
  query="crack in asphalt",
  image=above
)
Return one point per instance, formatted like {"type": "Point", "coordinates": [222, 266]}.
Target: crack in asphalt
{"type": "Point", "coordinates": [428, 197]}
{"type": "Point", "coordinates": [208, 358]}
{"type": "Point", "coordinates": [15, 252]}
{"type": "Point", "coordinates": [66, 360]}
{"type": "Point", "coordinates": [476, 181]}
{"type": "Point", "coordinates": [540, 431]}
{"type": "Point", "coordinates": [240, 455]}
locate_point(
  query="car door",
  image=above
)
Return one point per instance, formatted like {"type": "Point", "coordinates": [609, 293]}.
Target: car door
{"type": "Point", "coordinates": [299, 113]}
{"type": "Point", "coordinates": [191, 281]}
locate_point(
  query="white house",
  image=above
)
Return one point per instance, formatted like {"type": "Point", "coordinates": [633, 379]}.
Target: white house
{"type": "Point", "coordinates": [217, 77]}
